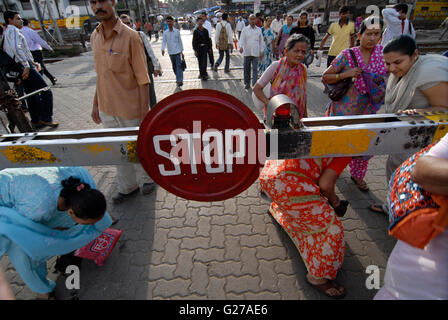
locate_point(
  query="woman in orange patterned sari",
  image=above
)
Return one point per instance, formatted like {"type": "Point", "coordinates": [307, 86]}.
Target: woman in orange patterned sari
{"type": "Point", "coordinates": [307, 216]}
{"type": "Point", "coordinates": [302, 190]}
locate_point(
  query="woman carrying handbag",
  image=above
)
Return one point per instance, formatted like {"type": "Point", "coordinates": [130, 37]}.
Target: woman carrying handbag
{"type": "Point", "coordinates": [365, 94]}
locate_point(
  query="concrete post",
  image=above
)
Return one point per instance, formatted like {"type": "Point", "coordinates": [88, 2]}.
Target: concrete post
{"type": "Point", "coordinates": [38, 13]}
{"type": "Point", "coordinates": [55, 23]}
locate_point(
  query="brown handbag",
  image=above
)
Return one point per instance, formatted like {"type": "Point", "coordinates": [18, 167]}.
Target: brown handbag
{"type": "Point", "coordinates": [338, 90]}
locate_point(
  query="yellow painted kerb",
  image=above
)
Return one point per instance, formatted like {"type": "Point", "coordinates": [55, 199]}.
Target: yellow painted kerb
{"type": "Point", "coordinates": [341, 142]}
{"type": "Point", "coordinates": [26, 154]}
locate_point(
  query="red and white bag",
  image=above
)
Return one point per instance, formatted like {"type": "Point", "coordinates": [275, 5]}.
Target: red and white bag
{"type": "Point", "coordinates": [99, 249]}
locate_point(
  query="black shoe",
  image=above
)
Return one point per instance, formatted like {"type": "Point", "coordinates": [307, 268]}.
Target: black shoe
{"type": "Point", "coordinates": [54, 80]}
{"type": "Point", "coordinates": [114, 220]}
{"type": "Point", "coordinates": [215, 68]}
{"type": "Point", "coordinates": [226, 71]}
{"type": "Point", "coordinates": [121, 197]}
{"type": "Point", "coordinates": [148, 188]}
{"type": "Point", "coordinates": [247, 86]}
{"type": "Point", "coordinates": [204, 78]}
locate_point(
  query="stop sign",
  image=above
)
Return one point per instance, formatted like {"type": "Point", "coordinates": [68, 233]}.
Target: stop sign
{"type": "Point", "coordinates": [202, 145]}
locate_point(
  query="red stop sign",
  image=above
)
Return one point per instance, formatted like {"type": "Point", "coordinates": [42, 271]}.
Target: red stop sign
{"type": "Point", "coordinates": [202, 145]}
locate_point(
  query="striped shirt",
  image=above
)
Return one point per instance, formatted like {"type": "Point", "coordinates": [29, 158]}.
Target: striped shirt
{"type": "Point", "coordinates": [16, 47]}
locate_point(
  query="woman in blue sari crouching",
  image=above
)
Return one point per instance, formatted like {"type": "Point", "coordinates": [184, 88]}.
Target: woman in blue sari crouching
{"type": "Point", "coordinates": [46, 212]}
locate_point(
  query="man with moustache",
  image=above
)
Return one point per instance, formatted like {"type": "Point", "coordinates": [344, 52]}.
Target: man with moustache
{"type": "Point", "coordinates": [121, 97]}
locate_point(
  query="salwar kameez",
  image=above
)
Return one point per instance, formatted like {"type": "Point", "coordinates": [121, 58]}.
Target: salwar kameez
{"type": "Point", "coordinates": [362, 98]}
{"type": "Point", "coordinates": [29, 216]}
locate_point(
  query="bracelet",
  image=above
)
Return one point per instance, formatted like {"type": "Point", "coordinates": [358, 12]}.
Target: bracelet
{"type": "Point", "coordinates": [338, 77]}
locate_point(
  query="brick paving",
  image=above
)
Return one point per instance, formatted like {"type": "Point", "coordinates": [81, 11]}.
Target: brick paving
{"type": "Point", "coordinates": [174, 248]}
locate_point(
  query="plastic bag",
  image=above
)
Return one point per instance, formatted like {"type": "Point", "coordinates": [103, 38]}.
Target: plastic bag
{"type": "Point", "coordinates": [99, 249]}
{"type": "Point", "coordinates": [267, 93]}
{"type": "Point", "coordinates": [319, 57]}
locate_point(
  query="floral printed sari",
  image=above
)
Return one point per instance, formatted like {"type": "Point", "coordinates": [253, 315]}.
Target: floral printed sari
{"type": "Point", "coordinates": [304, 213]}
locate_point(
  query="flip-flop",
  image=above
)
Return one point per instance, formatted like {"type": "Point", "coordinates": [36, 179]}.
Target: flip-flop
{"type": "Point", "coordinates": [330, 284]}
{"type": "Point", "coordinates": [364, 188]}
{"type": "Point", "coordinates": [378, 208]}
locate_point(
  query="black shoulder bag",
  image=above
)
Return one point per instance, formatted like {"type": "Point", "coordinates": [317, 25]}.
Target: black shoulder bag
{"type": "Point", "coordinates": [182, 62]}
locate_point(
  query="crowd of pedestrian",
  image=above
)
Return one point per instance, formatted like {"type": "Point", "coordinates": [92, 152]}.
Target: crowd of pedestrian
{"type": "Point", "coordinates": [385, 69]}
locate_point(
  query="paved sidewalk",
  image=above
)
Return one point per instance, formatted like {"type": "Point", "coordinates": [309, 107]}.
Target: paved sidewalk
{"type": "Point", "coordinates": [173, 248]}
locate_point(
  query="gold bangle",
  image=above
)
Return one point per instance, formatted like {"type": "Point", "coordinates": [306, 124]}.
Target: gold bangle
{"type": "Point", "coordinates": [338, 77]}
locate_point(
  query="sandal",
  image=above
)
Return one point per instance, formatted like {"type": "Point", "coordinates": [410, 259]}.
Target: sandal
{"type": "Point", "coordinates": [378, 208]}
{"type": "Point", "coordinates": [329, 284]}
{"type": "Point", "coordinates": [361, 185]}
{"type": "Point", "coordinates": [340, 209]}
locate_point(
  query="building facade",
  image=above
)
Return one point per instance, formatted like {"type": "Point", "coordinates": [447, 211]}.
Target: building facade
{"type": "Point", "coordinates": [63, 9]}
